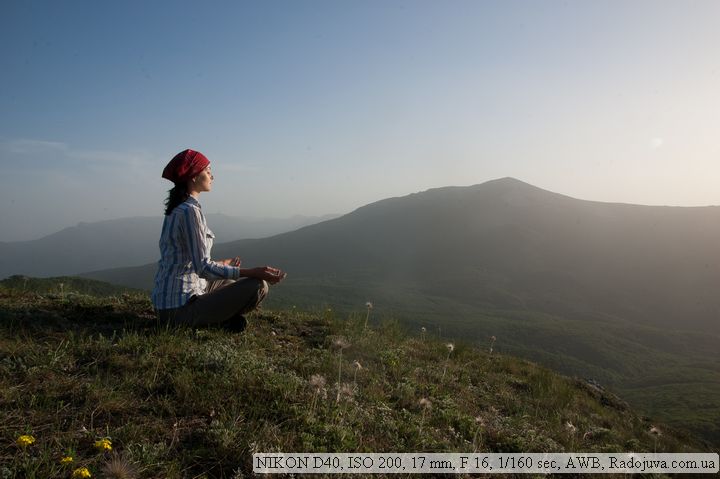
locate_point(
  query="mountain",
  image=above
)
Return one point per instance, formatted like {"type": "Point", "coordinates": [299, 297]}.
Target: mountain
{"type": "Point", "coordinates": [121, 242]}
{"type": "Point", "coordinates": [626, 294]}
{"type": "Point", "coordinates": [505, 244]}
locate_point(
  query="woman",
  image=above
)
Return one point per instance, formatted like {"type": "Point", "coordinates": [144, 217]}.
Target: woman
{"type": "Point", "coordinates": [190, 288]}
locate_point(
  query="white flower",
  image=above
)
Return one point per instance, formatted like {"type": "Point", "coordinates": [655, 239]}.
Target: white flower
{"type": "Point", "coordinates": [317, 381]}
{"type": "Point", "coordinates": [369, 305]}
{"type": "Point", "coordinates": [450, 347]}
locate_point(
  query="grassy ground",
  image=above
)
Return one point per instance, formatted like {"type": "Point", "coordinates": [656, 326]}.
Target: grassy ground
{"type": "Point", "coordinates": [76, 369]}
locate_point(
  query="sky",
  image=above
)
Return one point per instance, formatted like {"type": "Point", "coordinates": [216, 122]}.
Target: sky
{"type": "Point", "coordinates": [316, 107]}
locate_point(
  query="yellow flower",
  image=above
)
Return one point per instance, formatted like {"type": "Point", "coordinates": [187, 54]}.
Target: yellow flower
{"type": "Point", "coordinates": [66, 460]}
{"type": "Point", "coordinates": [103, 445]}
{"type": "Point", "coordinates": [25, 440]}
{"type": "Point", "coordinates": [81, 473]}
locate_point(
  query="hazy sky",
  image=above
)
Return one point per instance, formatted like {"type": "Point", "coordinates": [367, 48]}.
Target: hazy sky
{"type": "Point", "coordinates": [314, 107]}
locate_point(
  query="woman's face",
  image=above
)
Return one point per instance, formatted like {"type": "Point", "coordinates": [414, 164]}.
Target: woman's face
{"type": "Point", "coordinates": [203, 181]}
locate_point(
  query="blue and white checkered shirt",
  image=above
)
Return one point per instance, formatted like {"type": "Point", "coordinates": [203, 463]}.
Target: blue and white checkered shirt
{"type": "Point", "coordinates": [185, 263]}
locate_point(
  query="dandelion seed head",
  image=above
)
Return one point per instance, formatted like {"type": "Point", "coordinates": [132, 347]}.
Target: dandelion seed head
{"type": "Point", "coordinates": [369, 305]}
{"type": "Point", "coordinates": [450, 347]}
{"type": "Point", "coordinates": [346, 391]}
{"type": "Point", "coordinates": [570, 427]}
{"type": "Point", "coordinates": [480, 420]}
{"type": "Point", "coordinates": [493, 338]}
{"type": "Point", "coordinates": [655, 431]}
{"type": "Point", "coordinates": [341, 343]}
{"type": "Point", "coordinates": [119, 468]}
{"type": "Point", "coordinates": [425, 403]}
{"type": "Point", "coordinates": [357, 365]}
{"type": "Point", "coordinates": [317, 381]}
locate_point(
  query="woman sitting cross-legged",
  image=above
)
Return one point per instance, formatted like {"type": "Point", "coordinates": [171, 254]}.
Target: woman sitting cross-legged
{"type": "Point", "coordinates": [190, 288]}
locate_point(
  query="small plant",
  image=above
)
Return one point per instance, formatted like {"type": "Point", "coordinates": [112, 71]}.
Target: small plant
{"type": "Point", "coordinates": [425, 406]}
{"type": "Point", "coordinates": [492, 343]}
{"type": "Point", "coordinates": [450, 347]}
{"type": "Point", "coordinates": [480, 424]}
{"type": "Point", "coordinates": [358, 367]}
{"type": "Point", "coordinates": [340, 343]}
{"type": "Point", "coordinates": [317, 382]}
{"type": "Point", "coordinates": [369, 307]}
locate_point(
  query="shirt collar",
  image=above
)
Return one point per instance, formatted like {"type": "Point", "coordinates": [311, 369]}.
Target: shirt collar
{"type": "Point", "coordinates": [193, 201]}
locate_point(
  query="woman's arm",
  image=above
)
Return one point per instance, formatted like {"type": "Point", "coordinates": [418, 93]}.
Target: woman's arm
{"type": "Point", "coordinates": [199, 247]}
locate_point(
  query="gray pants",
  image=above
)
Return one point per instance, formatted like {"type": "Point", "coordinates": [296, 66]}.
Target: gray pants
{"type": "Point", "coordinates": [224, 300]}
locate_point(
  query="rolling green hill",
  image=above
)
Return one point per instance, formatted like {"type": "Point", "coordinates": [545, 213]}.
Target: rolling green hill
{"type": "Point", "coordinates": [189, 403]}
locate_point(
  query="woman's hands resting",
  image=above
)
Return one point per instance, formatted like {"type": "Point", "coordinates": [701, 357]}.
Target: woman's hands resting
{"type": "Point", "coordinates": [268, 273]}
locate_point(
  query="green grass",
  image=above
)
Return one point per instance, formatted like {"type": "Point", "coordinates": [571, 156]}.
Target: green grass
{"type": "Point", "coordinates": [642, 363]}
{"type": "Point", "coordinates": [180, 402]}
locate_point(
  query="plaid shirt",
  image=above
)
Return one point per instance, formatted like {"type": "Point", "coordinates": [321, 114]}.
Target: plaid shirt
{"type": "Point", "coordinates": [185, 263]}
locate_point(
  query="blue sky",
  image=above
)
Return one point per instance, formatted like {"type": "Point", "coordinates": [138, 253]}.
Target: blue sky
{"type": "Point", "coordinates": [314, 107]}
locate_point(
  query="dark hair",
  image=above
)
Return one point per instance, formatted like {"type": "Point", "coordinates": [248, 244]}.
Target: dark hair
{"type": "Point", "coordinates": [176, 196]}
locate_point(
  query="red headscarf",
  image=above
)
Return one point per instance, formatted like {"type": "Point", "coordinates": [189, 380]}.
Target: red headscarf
{"type": "Point", "coordinates": [185, 166]}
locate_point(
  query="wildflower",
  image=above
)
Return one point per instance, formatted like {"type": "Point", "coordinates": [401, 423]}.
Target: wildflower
{"type": "Point", "coordinates": [66, 460]}
{"type": "Point", "coordinates": [81, 473]}
{"type": "Point", "coordinates": [346, 391]}
{"type": "Point", "coordinates": [450, 347]}
{"type": "Point", "coordinates": [426, 405]}
{"type": "Point", "coordinates": [655, 431]}
{"type": "Point", "coordinates": [570, 427]}
{"type": "Point", "coordinates": [25, 440]}
{"type": "Point", "coordinates": [317, 381]}
{"type": "Point", "coordinates": [103, 445]}
{"type": "Point", "coordinates": [340, 343]}
{"type": "Point", "coordinates": [358, 367]}
{"type": "Point", "coordinates": [369, 306]}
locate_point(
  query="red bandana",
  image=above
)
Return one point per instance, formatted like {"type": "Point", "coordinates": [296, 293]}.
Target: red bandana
{"type": "Point", "coordinates": [185, 166]}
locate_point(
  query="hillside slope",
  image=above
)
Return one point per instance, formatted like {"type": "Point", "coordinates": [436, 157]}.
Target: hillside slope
{"type": "Point", "coordinates": [624, 294]}
{"type": "Point", "coordinates": [182, 402]}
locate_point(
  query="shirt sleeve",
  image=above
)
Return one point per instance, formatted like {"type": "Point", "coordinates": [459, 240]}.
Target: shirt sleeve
{"type": "Point", "coordinates": [199, 248]}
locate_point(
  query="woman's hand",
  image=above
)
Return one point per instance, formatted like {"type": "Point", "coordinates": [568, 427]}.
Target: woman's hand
{"type": "Point", "coordinates": [268, 273]}
{"type": "Point", "coordinates": [236, 261]}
